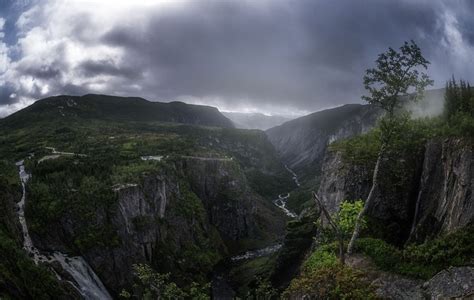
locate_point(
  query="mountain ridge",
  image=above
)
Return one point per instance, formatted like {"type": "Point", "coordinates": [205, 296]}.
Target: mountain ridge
{"type": "Point", "coordinates": [114, 108]}
{"type": "Point", "coordinates": [255, 120]}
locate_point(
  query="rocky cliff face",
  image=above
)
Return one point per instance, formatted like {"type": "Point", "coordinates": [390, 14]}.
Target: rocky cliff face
{"type": "Point", "coordinates": [445, 200]}
{"type": "Point", "coordinates": [233, 207]}
{"type": "Point", "coordinates": [183, 218]}
{"type": "Point", "coordinates": [431, 193]}
{"type": "Point", "coordinates": [302, 142]}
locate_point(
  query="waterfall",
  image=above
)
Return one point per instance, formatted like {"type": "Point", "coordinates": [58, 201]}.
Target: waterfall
{"type": "Point", "coordinates": [86, 281]}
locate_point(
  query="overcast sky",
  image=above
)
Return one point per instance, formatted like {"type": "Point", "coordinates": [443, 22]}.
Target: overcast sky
{"type": "Point", "coordinates": [272, 56]}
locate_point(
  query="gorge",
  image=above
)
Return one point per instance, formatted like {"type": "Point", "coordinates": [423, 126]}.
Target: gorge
{"type": "Point", "coordinates": [219, 205]}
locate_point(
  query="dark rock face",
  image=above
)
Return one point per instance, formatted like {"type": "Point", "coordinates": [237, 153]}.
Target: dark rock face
{"type": "Point", "coordinates": [432, 194]}
{"type": "Point", "coordinates": [451, 283]}
{"type": "Point", "coordinates": [392, 211]}
{"type": "Point", "coordinates": [231, 205]}
{"type": "Point", "coordinates": [297, 243]}
{"type": "Point", "coordinates": [302, 143]}
{"type": "Point", "coordinates": [445, 201]}
{"type": "Point", "coordinates": [392, 286]}
{"type": "Point", "coordinates": [341, 181]}
{"type": "Point", "coordinates": [9, 195]}
{"type": "Point", "coordinates": [183, 220]}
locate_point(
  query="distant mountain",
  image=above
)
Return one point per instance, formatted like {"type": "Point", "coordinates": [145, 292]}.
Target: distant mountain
{"type": "Point", "coordinates": [112, 108]}
{"type": "Point", "coordinates": [255, 120]}
{"type": "Point", "coordinates": [302, 142]}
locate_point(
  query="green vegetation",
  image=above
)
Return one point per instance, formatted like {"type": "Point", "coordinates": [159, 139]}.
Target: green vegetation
{"type": "Point", "coordinates": [459, 109]}
{"type": "Point", "coordinates": [347, 216]}
{"type": "Point", "coordinates": [20, 278]}
{"type": "Point", "coordinates": [152, 285]}
{"type": "Point", "coordinates": [300, 198]}
{"type": "Point", "coordinates": [459, 99]}
{"type": "Point", "coordinates": [323, 277]}
{"type": "Point", "coordinates": [396, 74]}
{"type": "Point", "coordinates": [252, 277]}
{"type": "Point", "coordinates": [424, 260]}
{"type": "Point", "coordinates": [323, 257]}
{"type": "Point", "coordinates": [409, 136]}
{"type": "Point", "coordinates": [71, 198]}
{"type": "Point", "coordinates": [457, 121]}
{"type": "Point", "coordinates": [341, 224]}
{"type": "Point", "coordinates": [78, 188]}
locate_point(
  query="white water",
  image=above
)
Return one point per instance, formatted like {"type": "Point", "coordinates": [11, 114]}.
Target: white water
{"type": "Point", "coordinates": [152, 157]}
{"type": "Point", "coordinates": [256, 253]}
{"type": "Point", "coordinates": [281, 203]}
{"type": "Point", "coordinates": [86, 281]}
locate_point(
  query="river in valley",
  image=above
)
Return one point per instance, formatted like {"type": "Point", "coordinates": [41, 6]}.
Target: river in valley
{"type": "Point", "coordinates": [221, 288]}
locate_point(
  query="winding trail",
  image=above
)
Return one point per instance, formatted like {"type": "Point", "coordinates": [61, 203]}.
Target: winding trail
{"type": "Point", "coordinates": [56, 154]}
{"type": "Point", "coordinates": [86, 282]}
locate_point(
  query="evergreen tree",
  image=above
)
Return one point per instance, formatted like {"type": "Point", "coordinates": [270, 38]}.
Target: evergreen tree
{"type": "Point", "coordinates": [459, 99]}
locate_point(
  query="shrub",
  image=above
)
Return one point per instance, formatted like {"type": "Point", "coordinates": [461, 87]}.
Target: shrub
{"type": "Point", "coordinates": [153, 285]}
{"type": "Point", "coordinates": [321, 258]}
{"type": "Point", "coordinates": [384, 255]}
{"type": "Point", "coordinates": [424, 260]}
{"type": "Point", "coordinates": [347, 216]}
{"type": "Point", "coordinates": [330, 282]}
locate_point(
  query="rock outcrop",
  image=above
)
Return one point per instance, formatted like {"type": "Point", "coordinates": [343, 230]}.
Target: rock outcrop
{"type": "Point", "coordinates": [451, 283]}
{"type": "Point", "coordinates": [431, 192]}
{"type": "Point", "coordinates": [454, 282]}
{"type": "Point", "coordinates": [181, 219]}
{"type": "Point", "coordinates": [445, 199]}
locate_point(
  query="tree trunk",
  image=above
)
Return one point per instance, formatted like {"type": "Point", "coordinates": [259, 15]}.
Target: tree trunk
{"type": "Point", "coordinates": [337, 231]}
{"type": "Point", "coordinates": [342, 254]}
{"type": "Point", "coordinates": [368, 201]}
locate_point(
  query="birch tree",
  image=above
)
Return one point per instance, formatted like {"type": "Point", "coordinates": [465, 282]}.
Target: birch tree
{"type": "Point", "coordinates": [397, 78]}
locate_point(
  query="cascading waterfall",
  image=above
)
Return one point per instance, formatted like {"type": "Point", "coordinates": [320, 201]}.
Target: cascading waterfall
{"type": "Point", "coordinates": [86, 281]}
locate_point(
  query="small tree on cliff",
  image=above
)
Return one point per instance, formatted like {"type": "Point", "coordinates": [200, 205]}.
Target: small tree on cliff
{"type": "Point", "coordinates": [395, 80]}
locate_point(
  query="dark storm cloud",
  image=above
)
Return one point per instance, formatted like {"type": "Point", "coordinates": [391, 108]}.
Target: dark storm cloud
{"type": "Point", "coordinates": [312, 53]}
{"type": "Point", "coordinates": [49, 71]}
{"type": "Point", "coordinates": [300, 54]}
{"type": "Point", "coordinates": [7, 94]}
{"type": "Point", "coordinates": [108, 67]}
